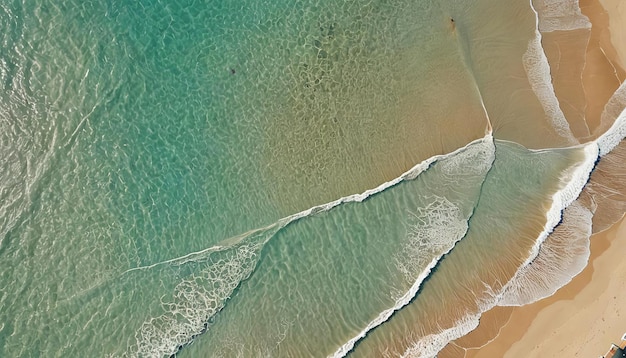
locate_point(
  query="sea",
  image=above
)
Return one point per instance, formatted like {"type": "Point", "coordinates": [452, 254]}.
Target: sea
{"type": "Point", "coordinates": [292, 178]}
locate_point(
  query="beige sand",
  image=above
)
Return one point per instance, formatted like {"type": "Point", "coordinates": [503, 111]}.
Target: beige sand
{"type": "Point", "coordinates": [603, 73]}
{"type": "Point", "coordinates": [587, 325]}
{"type": "Point", "coordinates": [585, 69]}
{"type": "Point", "coordinates": [617, 26]}
{"type": "Point", "coordinates": [580, 320]}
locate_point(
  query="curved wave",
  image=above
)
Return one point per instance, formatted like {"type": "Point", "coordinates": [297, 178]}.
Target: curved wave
{"type": "Point", "coordinates": [196, 299]}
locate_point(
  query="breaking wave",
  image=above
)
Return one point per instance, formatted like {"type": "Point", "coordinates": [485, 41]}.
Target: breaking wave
{"type": "Point", "coordinates": [197, 298]}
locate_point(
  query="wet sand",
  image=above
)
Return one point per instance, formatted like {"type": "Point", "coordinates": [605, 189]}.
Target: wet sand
{"type": "Point", "coordinates": [585, 68]}
{"type": "Point", "coordinates": [603, 72]}
{"type": "Point", "coordinates": [617, 26]}
{"type": "Point", "coordinates": [583, 318]}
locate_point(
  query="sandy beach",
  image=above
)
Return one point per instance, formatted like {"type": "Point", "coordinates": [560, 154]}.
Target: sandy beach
{"type": "Point", "coordinates": [584, 317]}
{"type": "Point", "coordinates": [581, 320]}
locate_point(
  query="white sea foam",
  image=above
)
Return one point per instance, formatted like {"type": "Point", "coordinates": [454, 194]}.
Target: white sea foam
{"type": "Point", "coordinates": [438, 227]}
{"type": "Point", "coordinates": [481, 158]}
{"type": "Point", "coordinates": [435, 229]}
{"type": "Point", "coordinates": [560, 15]}
{"type": "Point", "coordinates": [562, 256]}
{"type": "Point", "coordinates": [559, 260]}
{"type": "Point", "coordinates": [199, 298]}
{"type": "Point", "coordinates": [195, 300]}
{"type": "Point", "coordinates": [430, 345]}
{"type": "Point", "coordinates": [615, 111]}
{"type": "Point", "coordinates": [538, 72]}
{"type": "Point", "coordinates": [573, 181]}
{"type": "Point", "coordinates": [409, 175]}
{"type": "Point", "coordinates": [516, 289]}
{"type": "Point", "coordinates": [384, 315]}
{"type": "Point", "coordinates": [573, 255]}
{"type": "Point", "coordinates": [556, 15]}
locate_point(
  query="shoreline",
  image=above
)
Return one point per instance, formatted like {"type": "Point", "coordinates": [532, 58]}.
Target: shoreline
{"type": "Point", "coordinates": [587, 310]}
{"type": "Point", "coordinates": [582, 318]}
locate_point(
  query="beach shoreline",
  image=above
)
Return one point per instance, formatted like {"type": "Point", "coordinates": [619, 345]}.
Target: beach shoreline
{"type": "Point", "coordinates": [585, 316]}
{"type": "Point", "coordinates": [581, 320]}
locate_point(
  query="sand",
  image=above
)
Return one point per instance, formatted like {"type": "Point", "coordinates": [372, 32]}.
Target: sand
{"type": "Point", "coordinates": [617, 26]}
{"type": "Point", "coordinates": [583, 318]}
{"type": "Point", "coordinates": [602, 73]}
{"type": "Point", "coordinates": [585, 68]}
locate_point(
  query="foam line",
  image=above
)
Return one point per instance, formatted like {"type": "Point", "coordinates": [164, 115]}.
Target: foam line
{"type": "Point", "coordinates": [560, 15]}
{"type": "Point", "coordinates": [447, 245]}
{"type": "Point", "coordinates": [538, 72]}
{"type": "Point", "coordinates": [198, 255]}
{"type": "Point", "coordinates": [574, 181]}
{"type": "Point", "coordinates": [429, 346]}
{"type": "Point", "coordinates": [408, 175]}
{"type": "Point", "coordinates": [400, 302]}
{"type": "Point", "coordinates": [578, 176]}
{"type": "Point", "coordinates": [564, 197]}
{"type": "Point", "coordinates": [563, 255]}
{"type": "Point", "coordinates": [154, 339]}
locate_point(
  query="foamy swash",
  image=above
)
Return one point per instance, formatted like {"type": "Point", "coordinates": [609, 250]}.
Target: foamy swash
{"type": "Point", "coordinates": [544, 271]}
{"type": "Point", "coordinates": [577, 229]}
{"type": "Point", "coordinates": [538, 73]}
{"type": "Point", "coordinates": [561, 254]}
{"type": "Point", "coordinates": [573, 181]}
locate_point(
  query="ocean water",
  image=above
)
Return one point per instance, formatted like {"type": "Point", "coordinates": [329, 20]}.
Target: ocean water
{"type": "Point", "coordinates": [287, 179]}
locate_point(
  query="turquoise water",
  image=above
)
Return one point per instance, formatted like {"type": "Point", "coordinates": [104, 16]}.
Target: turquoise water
{"type": "Point", "coordinates": [166, 171]}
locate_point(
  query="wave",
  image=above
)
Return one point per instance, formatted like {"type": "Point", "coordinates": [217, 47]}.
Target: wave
{"type": "Point", "coordinates": [199, 296]}
{"type": "Point", "coordinates": [560, 15]}
{"type": "Point", "coordinates": [429, 346]}
{"type": "Point", "coordinates": [205, 292]}
{"type": "Point", "coordinates": [444, 238]}
{"type": "Point", "coordinates": [615, 108]}
{"type": "Point", "coordinates": [538, 72]}
{"type": "Point", "coordinates": [574, 221]}
{"type": "Point", "coordinates": [572, 182]}
{"type": "Point", "coordinates": [384, 315]}
{"type": "Point", "coordinates": [562, 256]}
{"type": "Point", "coordinates": [195, 301]}
{"type": "Point", "coordinates": [438, 228]}
{"type": "Point", "coordinates": [565, 253]}
{"type": "Point", "coordinates": [197, 305]}
{"type": "Point", "coordinates": [605, 194]}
